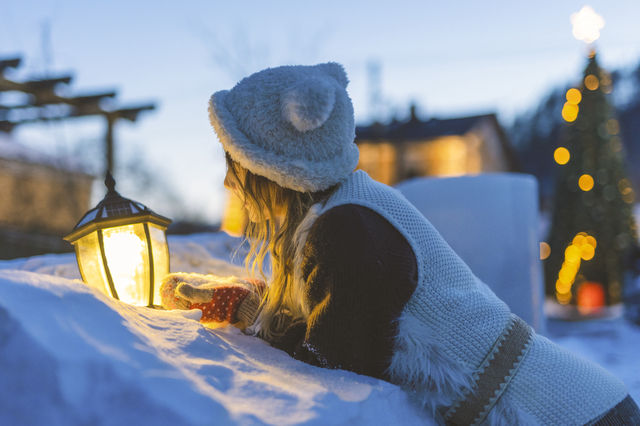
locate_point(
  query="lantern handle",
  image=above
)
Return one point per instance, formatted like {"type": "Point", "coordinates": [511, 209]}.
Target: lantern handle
{"type": "Point", "coordinates": [110, 182]}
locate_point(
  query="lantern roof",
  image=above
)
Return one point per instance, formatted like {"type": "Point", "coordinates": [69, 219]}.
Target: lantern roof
{"type": "Point", "coordinates": [114, 210]}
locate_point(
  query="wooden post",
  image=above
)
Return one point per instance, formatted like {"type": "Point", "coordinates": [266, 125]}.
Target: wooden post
{"type": "Point", "coordinates": [111, 119]}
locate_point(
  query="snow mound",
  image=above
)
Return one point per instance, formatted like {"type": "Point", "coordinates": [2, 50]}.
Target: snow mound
{"type": "Point", "coordinates": [71, 355]}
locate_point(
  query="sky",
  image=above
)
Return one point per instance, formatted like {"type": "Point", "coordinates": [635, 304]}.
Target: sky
{"type": "Point", "coordinates": [449, 58]}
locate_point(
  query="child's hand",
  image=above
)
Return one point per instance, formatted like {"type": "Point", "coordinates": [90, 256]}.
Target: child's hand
{"type": "Point", "coordinates": [219, 298]}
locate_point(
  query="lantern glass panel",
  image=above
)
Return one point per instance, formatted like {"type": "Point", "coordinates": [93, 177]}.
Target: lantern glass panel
{"type": "Point", "coordinates": [90, 262]}
{"type": "Point", "coordinates": [160, 258]}
{"type": "Point", "coordinates": [127, 255]}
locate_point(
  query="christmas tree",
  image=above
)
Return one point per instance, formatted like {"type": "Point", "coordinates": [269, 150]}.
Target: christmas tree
{"type": "Point", "coordinates": [593, 230]}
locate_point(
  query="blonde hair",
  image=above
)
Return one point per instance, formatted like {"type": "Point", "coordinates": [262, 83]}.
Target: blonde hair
{"type": "Point", "coordinates": [276, 213]}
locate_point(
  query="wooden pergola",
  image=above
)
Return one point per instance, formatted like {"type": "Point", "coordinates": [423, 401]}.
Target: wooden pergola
{"type": "Point", "coordinates": [45, 103]}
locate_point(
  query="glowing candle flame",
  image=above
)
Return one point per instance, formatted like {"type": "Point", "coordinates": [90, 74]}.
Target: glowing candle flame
{"type": "Point", "coordinates": [587, 24]}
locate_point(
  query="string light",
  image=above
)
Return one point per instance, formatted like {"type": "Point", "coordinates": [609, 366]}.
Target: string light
{"type": "Point", "coordinates": [582, 247]}
{"type": "Point", "coordinates": [561, 155]}
{"type": "Point", "coordinates": [545, 250]}
{"type": "Point", "coordinates": [569, 112]}
{"type": "Point", "coordinates": [573, 96]}
{"type": "Point", "coordinates": [591, 82]}
{"type": "Point", "coordinates": [585, 182]}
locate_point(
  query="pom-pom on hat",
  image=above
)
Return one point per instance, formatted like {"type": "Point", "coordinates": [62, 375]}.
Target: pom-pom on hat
{"type": "Point", "coordinates": [293, 125]}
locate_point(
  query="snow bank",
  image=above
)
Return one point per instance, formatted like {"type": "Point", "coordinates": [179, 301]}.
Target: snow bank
{"type": "Point", "coordinates": [71, 355]}
{"type": "Point", "coordinates": [491, 221]}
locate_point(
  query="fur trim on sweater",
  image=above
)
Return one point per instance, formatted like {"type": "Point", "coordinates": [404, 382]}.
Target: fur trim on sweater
{"type": "Point", "coordinates": [421, 368]}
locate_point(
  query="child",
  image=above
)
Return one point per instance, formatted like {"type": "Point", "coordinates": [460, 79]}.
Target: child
{"type": "Point", "coordinates": [360, 280]}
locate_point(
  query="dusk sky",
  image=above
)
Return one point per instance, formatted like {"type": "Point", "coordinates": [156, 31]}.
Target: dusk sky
{"type": "Point", "coordinates": [450, 58]}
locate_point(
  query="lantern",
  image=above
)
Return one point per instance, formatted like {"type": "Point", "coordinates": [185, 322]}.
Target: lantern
{"type": "Point", "coordinates": [121, 248]}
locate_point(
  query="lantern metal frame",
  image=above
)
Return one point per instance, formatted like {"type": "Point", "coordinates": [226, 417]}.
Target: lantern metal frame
{"type": "Point", "coordinates": [114, 211]}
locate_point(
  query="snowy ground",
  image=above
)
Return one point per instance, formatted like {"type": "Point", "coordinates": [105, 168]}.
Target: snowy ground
{"type": "Point", "coordinates": [70, 355]}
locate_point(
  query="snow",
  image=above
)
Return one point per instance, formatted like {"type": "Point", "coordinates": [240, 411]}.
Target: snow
{"type": "Point", "coordinates": [497, 238]}
{"type": "Point", "coordinates": [71, 355]}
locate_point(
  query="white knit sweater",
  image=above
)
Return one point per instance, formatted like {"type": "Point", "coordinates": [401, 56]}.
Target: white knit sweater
{"type": "Point", "coordinates": [452, 321]}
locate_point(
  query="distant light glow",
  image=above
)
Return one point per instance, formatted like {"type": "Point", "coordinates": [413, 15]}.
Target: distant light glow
{"type": "Point", "coordinates": [573, 96]}
{"type": "Point", "coordinates": [582, 247]}
{"type": "Point", "coordinates": [561, 155]}
{"type": "Point", "coordinates": [587, 252]}
{"type": "Point", "coordinates": [572, 254]}
{"type": "Point", "coordinates": [623, 184]}
{"type": "Point", "coordinates": [591, 82]}
{"type": "Point", "coordinates": [586, 24]}
{"type": "Point", "coordinates": [585, 182]}
{"type": "Point", "coordinates": [563, 298]}
{"type": "Point", "coordinates": [545, 250]}
{"type": "Point", "coordinates": [616, 144]}
{"type": "Point", "coordinates": [570, 112]}
{"type": "Point", "coordinates": [590, 297]}
{"type": "Point", "coordinates": [613, 127]}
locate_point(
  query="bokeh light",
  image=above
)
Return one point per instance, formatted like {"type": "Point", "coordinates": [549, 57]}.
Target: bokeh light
{"type": "Point", "coordinates": [587, 252]}
{"type": "Point", "coordinates": [572, 253]}
{"type": "Point", "coordinates": [561, 155]}
{"type": "Point", "coordinates": [586, 24]}
{"type": "Point", "coordinates": [591, 82]}
{"type": "Point", "coordinates": [616, 144]}
{"type": "Point", "coordinates": [570, 112]}
{"type": "Point", "coordinates": [545, 250]}
{"type": "Point", "coordinates": [585, 182]}
{"type": "Point", "coordinates": [613, 127]}
{"type": "Point", "coordinates": [582, 247]}
{"type": "Point", "coordinates": [574, 96]}
{"type": "Point", "coordinates": [590, 297]}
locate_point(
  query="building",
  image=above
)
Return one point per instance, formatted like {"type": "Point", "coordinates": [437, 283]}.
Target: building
{"type": "Point", "coordinates": [43, 198]}
{"type": "Point", "coordinates": [391, 153]}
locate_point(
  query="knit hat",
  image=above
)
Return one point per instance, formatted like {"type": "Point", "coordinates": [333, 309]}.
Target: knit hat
{"type": "Point", "coordinates": [293, 125]}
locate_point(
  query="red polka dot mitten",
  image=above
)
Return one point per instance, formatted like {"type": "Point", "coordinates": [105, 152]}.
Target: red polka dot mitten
{"type": "Point", "coordinates": [222, 300]}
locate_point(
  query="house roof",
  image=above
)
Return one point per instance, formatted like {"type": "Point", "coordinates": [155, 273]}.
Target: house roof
{"type": "Point", "coordinates": [415, 128]}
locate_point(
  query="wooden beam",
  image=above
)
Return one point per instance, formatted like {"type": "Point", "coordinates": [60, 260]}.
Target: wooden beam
{"type": "Point", "coordinates": [81, 110]}
{"type": "Point", "coordinates": [77, 101]}
{"type": "Point", "coordinates": [38, 88]}
{"type": "Point", "coordinates": [130, 113]}
{"type": "Point", "coordinates": [9, 63]}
